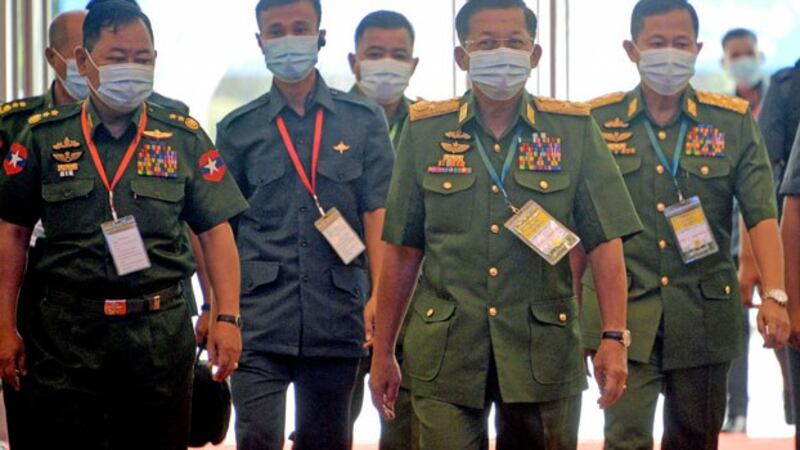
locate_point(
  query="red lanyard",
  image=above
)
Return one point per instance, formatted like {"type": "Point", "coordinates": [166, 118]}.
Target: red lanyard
{"type": "Point", "coordinates": [126, 160]}
{"type": "Point", "coordinates": [310, 185]}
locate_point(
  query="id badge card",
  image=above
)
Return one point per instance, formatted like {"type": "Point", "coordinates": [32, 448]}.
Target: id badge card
{"type": "Point", "coordinates": [695, 238]}
{"type": "Point", "coordinates": [340, 235]}
{"type": "Point", "coordinates": [126, 245]}
{"type": "Point", "coordinates": [543, 233]}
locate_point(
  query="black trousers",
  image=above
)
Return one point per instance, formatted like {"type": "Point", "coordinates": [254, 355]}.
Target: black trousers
{"type": "Point", "coordinates": [323, 390]}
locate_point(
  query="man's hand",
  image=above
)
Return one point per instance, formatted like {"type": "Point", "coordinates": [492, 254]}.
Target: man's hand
{"type": "Point", "coordinates": [610, 371]}
{"type": "Point", "coordinates": [12, 358]}
{"type": "Point", "coordinates": [773, 324]}
{"type": "Point", "coordinates": [384, 382]}
{"type": "Point", "coordinates": [201, 327]}
{"type": "Point", "coordinates": [749, 281]}
{"type": "Point", "coordinates": [224, 348]}
{"type": "Point", "coordinates": [369, 321]}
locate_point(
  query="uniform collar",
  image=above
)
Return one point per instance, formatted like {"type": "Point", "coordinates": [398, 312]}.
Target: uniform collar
{"type": "Point", "coordinates": [468, 108]}
{"type": "Point", "coordinates": [94, 117]}
{"type": "Point", "coordinates": [320, 95]}
{"type": "Point", "coordinates": [49, 98]}
{"type": "Point", "coordinates": [635, 103]}
{"type": "Point", "coordinates": [402, 109]}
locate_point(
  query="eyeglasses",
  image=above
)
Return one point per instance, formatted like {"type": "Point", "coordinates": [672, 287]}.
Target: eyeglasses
{"type": "Point", "coordinates": [492, 44]}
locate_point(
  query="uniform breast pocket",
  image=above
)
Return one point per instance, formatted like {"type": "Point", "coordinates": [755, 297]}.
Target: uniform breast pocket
{"type": "Point", "coordinates": [449, 201]}
{"type": "Point", "coordinates": [548, 189]}
{"type": "Point", "coordinates": [69, 209]}
{"type": "Point", "coordinates": [708, 177]}
{"type": "Point", "coordinates": [158, 204]}
{"type": "Point", "coordinates": [555, 326]}
{"type": "Point", "coordinates": [265, 198]}
{"type": "Point", "coordinates": [628, 164]}
{"type": "Point", "coordinates": [339, 186]}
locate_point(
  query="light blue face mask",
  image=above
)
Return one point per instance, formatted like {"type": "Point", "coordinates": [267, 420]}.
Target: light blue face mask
{"type": "Point", "coordinates": [500, 73]}
{"type": "Point", "coordinates": [746, 71]}
{"type": "Point", "coordinates": [124, 87]}
{"type": "Point", "coordinates": [291, 58]}
{"type": "Point", "coordinates": [74, 83]}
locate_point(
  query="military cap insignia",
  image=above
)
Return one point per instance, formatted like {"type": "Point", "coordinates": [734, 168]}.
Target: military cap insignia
{"type": "Point", "coordinates": [66, 144]}
{"type": "Point", "coordinates": [211, 166]}
{"type": "Point", "coordinates": [540, 153]}
{"type": "Point", "coordinates": [455, 147]}
{"type": "Point", "coordinates": [728, 102]}
{"type": "Point", "coordinates": [16, 159]}
{"type": "Point", "coordinates": [341, 147]}
{"type": "Point", "coordinates": [458, 135]}
{"type": "Point", "coordinates": [157, 135]}
{"type": "Point", "coordinates": [617, 123]}
{"type": "Point", "coordinates": [705, 141]}
{"type": "Point", "coordinates": [424, 109]}
{"type": "Point", "coordinates": [551, 105]}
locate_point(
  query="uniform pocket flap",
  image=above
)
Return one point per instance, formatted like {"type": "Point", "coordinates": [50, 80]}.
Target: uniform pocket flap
{"type": "Point", "coordinates": [433, 309]}
{"type": "Point", "coordinates": [716, 287]}
{"type": "Point", "coordinates": [707, 167]}
{"type": "Point", "coordinates": [447, 183]}
{"type": "Point", "coordinates": [628, 164]}
{"type": "Point", "coordinates": [166, 190]}
{"type": "Point", "coordinates": [270, 172]}
{"type": "Point", "coordinates": [257, 273]}
{"type": "Point", "coordinates": [557, 313]}
{"type": "Point", "coordinates": [67, 190]}
{"type": "Point", "coordinates": [341, 172]}
{"type": "Point", "coordinates": [544, 182]}
{"type": "Point", "coordinates": [350, 279]}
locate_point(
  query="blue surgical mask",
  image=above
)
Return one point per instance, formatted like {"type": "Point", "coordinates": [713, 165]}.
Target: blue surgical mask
{"type": "Point", "coordinates": [746, 71]}
{"type": "Point", "coordinates": [500, 73]}
{"type": "Point", "coordinates": [74, 83]}
{"type": "Point", "coordinates": [291, 58]}
{"type": "Point", "coordinates": [667, 70]}
{"type": "Point", "coordinates": [384, 80]}
{"type": "Point", "coordinates": [124, 87]}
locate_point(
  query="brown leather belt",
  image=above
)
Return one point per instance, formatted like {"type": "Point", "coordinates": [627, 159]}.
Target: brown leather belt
{"type": "Point", "coordinates": [117, 306]}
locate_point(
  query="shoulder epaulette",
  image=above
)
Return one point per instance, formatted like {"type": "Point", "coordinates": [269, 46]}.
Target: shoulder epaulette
{"type": "Point", "coordinates": [551, 105]}
{"type": "Point", "coordinates": [54, 114]}
{"type": "Point", "coordinates": [728, 102]}
{"type": "Point", "coordinates": [172, 117]}
{"type": "Point", "coordinates": [18, 106]}
{"type": "Point", "coordinates": [244, 109]}
{"type": "Point", "coordinates": [425, 109]}
{"type": "Point", "coordinates": [608, 99]}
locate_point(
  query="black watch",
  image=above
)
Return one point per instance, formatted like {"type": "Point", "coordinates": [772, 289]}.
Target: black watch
{"type": "Point", "coordinates": [236, 320]}
{"type": "Point", "coordinates": [623, 337]}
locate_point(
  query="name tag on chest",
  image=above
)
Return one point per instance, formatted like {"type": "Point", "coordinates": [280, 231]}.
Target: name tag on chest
{"type": "Point", "coordinates": [340, 235]}
{"type": "Point", "coordinates": [126, 245]}
{"type": "Point", "coordinates": [540, 231]}
{"type": "Point", "coordinates": [695, 238]}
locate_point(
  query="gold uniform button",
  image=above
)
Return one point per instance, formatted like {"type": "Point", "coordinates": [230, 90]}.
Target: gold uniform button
{"type": "Point", "coordinates": [727, 290]}
{"type": "Point", "coordinates": [495, 229]}
{"type": "Point", "coordinates": [562, 318]}
{"type": "Point", "coordinates": [493, 272]}
{"type": "Point", "coordinates": [544, 185]}
{"type": "Point", "coordinates": [705, 170]}
{"type": "Point", "coordinates": [430, 312]}
{"type": "Point", "coordinates": [662, 135]}
{"type": "Point", "coordinates": [662, 244]}
{"type": "Point", "coordinates": [497, 148]}
{"type": "Point", "coordinates": [495, 189]}
{"type": "Point", "coordinates": [661, 207]}
{"type": "Point", "coordinates": [493, 311]}
{"type": "Point", "coordinates": [660, 169]}
{"type": "Point", "coordinates": [665, 281]}
{"type": "Point", "coordinates": [447, 185]}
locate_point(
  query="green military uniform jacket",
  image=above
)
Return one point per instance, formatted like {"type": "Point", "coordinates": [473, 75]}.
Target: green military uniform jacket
{"type": "Point", "coordinates": [694, 307]}
{"type": "Point", "coordinates": [483, 294]}
{"type": "Point", "coordinates": [399, 119]}
{"type": "Point", "coordinates": [14, 116]}
{"type": "Point", "coordinates": [174, 176]}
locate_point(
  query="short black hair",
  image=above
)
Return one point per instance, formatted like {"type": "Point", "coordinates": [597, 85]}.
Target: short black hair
{"type": "Point", "coordinates": [647, 8]}
{"type": "Point", "coordinates": [474, 6]}
{"type": "Point", "coordinates": [111, 14]}
{"type": "Point", "coordinates": [384, 20]}
{"type": "Point", "coordinates": [264, 5]}
{"type": "Point", "coordinates": [739, 33]}
{"type": "Point", "coordinates": [92, 3]}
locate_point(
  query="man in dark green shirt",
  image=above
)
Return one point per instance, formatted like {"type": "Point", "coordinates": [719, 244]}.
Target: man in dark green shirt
{"type": "Point", "coordinates": [491, 321]}
{"type": "Point", "coordinates": [113, 179]}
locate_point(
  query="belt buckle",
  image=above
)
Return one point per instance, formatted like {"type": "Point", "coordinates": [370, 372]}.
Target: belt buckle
{"type": "Point", "coordinates": [115, 307]}
{"type": "Point", "coordinates": [154, 303]}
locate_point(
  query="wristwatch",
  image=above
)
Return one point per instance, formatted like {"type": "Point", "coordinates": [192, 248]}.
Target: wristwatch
{"type": "Point", "coordinates": [235, 320]}
{"type": "Point", "coordinates": [623, 337]}
{"type": "Point", "coordinates": [778, 296]}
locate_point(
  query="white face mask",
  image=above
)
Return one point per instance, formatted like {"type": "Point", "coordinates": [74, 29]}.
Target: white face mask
{"type": "Point", "coordinates": [500, 73]}
{"type": "Point", "coordinates": [291, 58]}
{"type": "Point", "coordinates": [74, 83]}
{"type": "Point", "coordinates": [746, 71]}
{"type": "Point", "coordinates": [667, 70]}
{"type": "Point", "coordinates": [384, 80]}
{"type": "Point", "coordinates": [124, 87]}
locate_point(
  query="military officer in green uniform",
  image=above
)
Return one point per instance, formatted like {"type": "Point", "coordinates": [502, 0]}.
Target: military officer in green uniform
{"type": "Point", "coordinates": [113, 179]}
{"type": "Point", "coordinates": [383, 65]}
{"type": "Point", "coordinates": [685, 155]}
{"type": "Point", "coordinates": [488, 189]}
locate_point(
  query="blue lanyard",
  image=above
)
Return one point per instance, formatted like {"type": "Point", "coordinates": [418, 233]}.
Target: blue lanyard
{"type": "Point", "coordinates": [499, 181]}
{"type": "Point", "coordinates": [676, 156]}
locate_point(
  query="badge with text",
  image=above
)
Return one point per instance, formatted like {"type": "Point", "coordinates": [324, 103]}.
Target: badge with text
{"type": "Point", "coordinates": [340, 235]}
{"type": "Point", "coordinates": [695, 238]}
{"type": "Point", "coordinates": [126, 245]}
{"type": "Point", "coordinates": [541, 232]}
